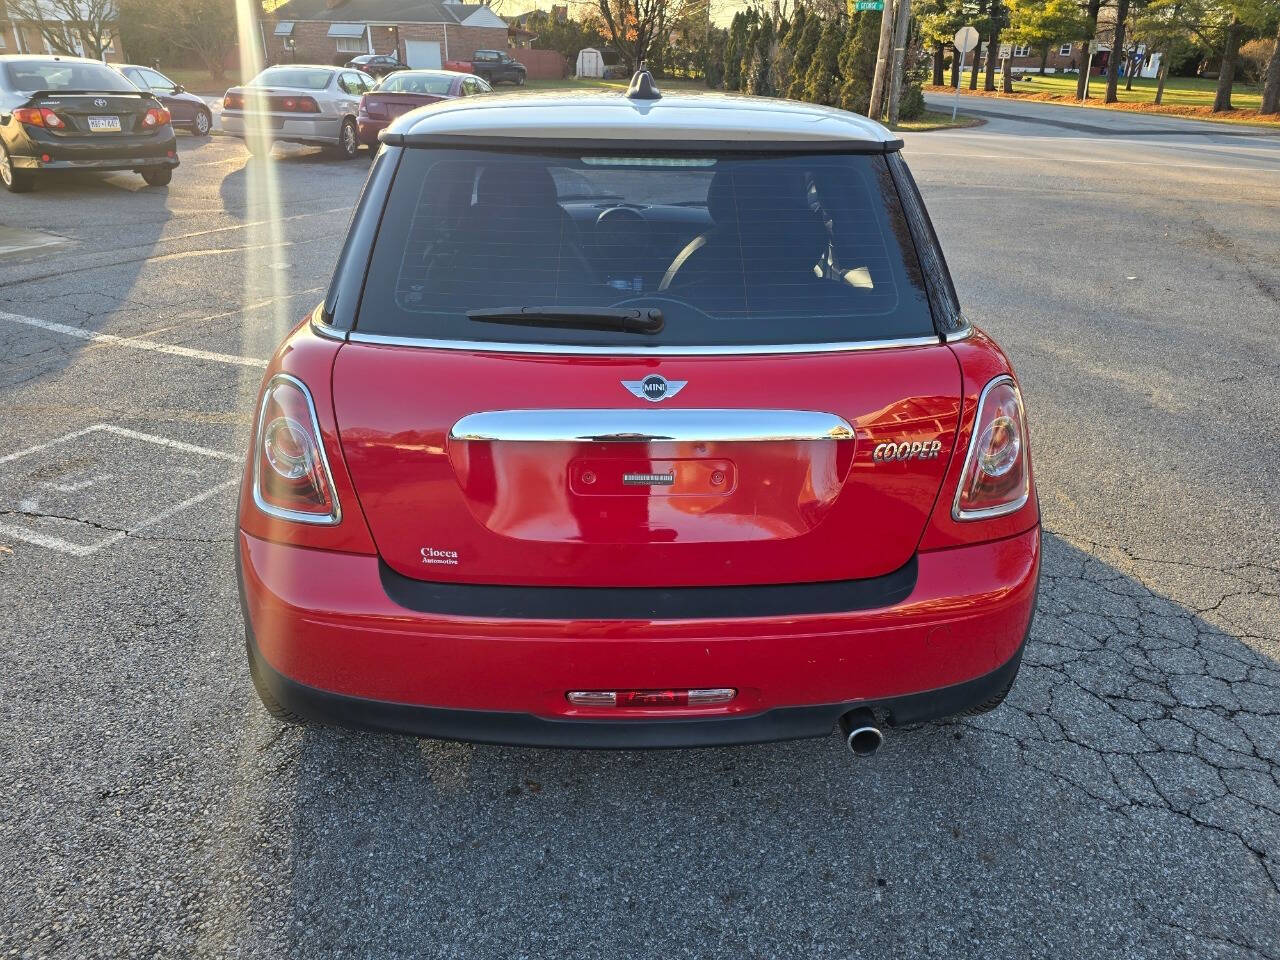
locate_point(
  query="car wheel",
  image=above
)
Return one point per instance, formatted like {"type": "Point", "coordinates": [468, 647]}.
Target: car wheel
{"type": "Point", "coordinates": [258, 146]}
{"type": "Point", "coordinates": [158, 176]}
{"type": "Point", "coordinates": [348, 141]}
{"type": "Point", "coordinates": [15, 181]}
{"type": "Point", "coordinates": [520, 80]}
{"type": "Point", "coordinates": [202, 124]}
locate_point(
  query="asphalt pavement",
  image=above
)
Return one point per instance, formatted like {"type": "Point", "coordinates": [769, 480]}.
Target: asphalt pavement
{"type": "Point", "coordinates": [1124, 802]}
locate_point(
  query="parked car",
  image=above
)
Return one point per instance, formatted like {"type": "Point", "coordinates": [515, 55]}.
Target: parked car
{"type": "Point", "coordinates": [298, 104]}
{"type": "Point", "coordinates": [376, 64]}
{"type": "Point", "coordinates": [408, 89]}
{"type": "Point", "coordinates": [630, 427]}
{"type": "Point", "coordinates": [188, 111]}
{"type": "Point", "coordinates": [67, 113]}
{"type": "Point", "coordinates": [498, 66]}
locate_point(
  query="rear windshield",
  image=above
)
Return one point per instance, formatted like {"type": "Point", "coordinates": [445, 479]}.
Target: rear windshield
{"type": "Point", "coordinates": [301, 78]}
{"type": "Point", "coordinates": [432, 83]}
{"type": "Point", "coordinates": [28, 76]}
{"type": "Point", "coordinates": [733, 249]}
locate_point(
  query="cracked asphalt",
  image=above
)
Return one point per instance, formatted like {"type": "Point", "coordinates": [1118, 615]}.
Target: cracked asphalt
{"type": "Point", "coordinates": [1124, 802]}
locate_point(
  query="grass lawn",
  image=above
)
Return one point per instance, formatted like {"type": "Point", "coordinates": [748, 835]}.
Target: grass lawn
{"type": "Point", "coordinates": [935, 120]}
{"type": "Point", "coordinates": [198, 81]}
{"type": "Point", "coordinates": [1183, 96]}
{"type": "Point", "coordinates": [1178, 91]}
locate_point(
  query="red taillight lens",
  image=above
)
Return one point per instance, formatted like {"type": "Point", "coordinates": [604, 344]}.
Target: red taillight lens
{"type": "Point", "coordinates": [291, 478]}
{"type": "Point", "coordinates": [233, 101]}
{"type": "Point", "coordinates": [996, 478]}
{"type": "Point", "coordinates": [373, 108]}
{"type": "Point", "coordinates": [156, 117]}
{"type": "Point", "coordinates": [701, 697]}
{"type": "Point", "coordinates": [34, 116]}
{"type": "Point", "coordinates": [296, 105]}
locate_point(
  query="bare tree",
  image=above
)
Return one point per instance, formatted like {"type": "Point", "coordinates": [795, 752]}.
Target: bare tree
{"type": "Point", "coordinates": [636, 26]}
{"type": "Point", "coordinates": [74, 27]}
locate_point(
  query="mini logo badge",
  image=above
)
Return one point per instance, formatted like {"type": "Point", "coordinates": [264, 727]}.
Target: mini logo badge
{"type": "Point", "coordinates": [654, 388]}
{"type": "Point", "coordinates": [447, 557]}
{"type": "Point", "coordinates": [99, 102]}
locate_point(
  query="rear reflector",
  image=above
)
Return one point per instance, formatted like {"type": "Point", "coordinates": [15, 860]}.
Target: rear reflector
{"type": "Point", "coordinates": [699, 697]}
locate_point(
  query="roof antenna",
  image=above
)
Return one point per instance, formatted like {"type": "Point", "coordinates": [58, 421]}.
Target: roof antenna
{"type": "Point", "coordinates": [642, 85]}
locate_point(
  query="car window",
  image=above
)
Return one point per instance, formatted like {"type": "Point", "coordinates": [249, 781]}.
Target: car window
{"type": "Point", "coordinates": [156, 81]}
{"type": "Point", "coordinates": [349, 83]}
{"type": "Point", "coordinates": [367, 82]}
{"type": "Point", "coordinates": [303, 78]}
{"type": "Point", "coordinates": [734, 249]}
{"type": "Point", "coordinates": [28, 76]}
{"type": "Point", "coordinates": [468, 87]}
{"type": "Point", "coordinates": [483, 85]}
{"type": "Point", "coordinates": [413, 82]}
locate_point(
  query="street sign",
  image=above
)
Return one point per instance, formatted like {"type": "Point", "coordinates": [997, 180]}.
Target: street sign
{"type": "Point", "coordinates": [1006, 51]}
{"type": "Point", "coordinates": [966, 39]}
{"type": "Point", "coordinates": [860, 5]}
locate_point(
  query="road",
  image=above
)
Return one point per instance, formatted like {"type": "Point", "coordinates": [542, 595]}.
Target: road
{"type": "Point", "coordinates": [1124, 802]}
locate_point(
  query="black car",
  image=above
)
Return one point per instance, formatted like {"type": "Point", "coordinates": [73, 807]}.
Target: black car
{"type": "Point", "coordinates": [376, 65]}
{"type": "Point", "coordinates": [188, 111]}
{"type": "Point", "coordinates": [496, 66]}
{"type": "Point", "coordinates": [68, 113]}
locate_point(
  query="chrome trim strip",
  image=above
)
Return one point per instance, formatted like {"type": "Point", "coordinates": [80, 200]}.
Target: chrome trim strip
{"type": "Point", "coordinates": [643, 425]}
{"type": "Point", "coordinates": [1005, 508]}
{"type": "Point", "coordinates": [955, 336]}
{"type": "Point", "coordinates": [334, 516]}
{"type": "Point", "coordinates": [639, 350]}
{"type": "Point", "coordinates": [320, 328]}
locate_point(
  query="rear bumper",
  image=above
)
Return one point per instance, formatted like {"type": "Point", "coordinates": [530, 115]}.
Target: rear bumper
{"type": "Point", "coordinates": [85, 153]}
{"type": "Point", "coordinates": [322, 130]}
{"type": "Point", "coordinates": [369, 130]}
{"type": "Point", "coordinates": [331, 645]}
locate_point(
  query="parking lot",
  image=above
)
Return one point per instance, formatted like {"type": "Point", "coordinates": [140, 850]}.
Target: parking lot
{"type": "Point", "coordinates": [1124, 802]}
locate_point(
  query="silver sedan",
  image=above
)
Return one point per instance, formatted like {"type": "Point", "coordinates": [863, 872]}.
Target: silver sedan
{"type": "Point", "coordinates": [298, 104]}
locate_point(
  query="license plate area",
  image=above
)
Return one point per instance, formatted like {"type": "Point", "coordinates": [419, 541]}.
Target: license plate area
{"type": "Point", "coordinates": [649, 477]}
{"type": "Point", "coordinates": [104, 124]}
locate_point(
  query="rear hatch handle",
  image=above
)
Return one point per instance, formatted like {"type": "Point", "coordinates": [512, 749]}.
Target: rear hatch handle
{"type": "Point", "coordinates": [641, 426]}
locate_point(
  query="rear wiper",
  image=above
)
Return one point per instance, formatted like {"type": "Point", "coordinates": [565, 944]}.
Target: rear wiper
{"type": "Point", "coordinates": [646, 320]}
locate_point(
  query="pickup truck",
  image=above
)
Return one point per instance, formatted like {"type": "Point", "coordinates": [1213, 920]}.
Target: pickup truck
{"type": "Point", "coordinates": [497, 66]}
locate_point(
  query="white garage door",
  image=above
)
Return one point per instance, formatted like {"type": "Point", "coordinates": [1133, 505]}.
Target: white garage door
{"type": "Point", "coordinates": [423, 54]}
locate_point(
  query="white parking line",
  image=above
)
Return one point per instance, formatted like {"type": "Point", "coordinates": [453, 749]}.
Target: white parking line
{"type": "Point", "coordinates": [36, 538]}
{"type": "Point", "coordinates": [137, 344]}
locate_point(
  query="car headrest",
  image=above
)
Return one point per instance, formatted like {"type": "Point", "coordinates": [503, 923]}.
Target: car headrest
{"type": "Point", "coordinates": [516, 184]}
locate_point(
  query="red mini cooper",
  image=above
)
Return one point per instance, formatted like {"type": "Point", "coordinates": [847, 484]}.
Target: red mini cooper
{"type": "Point", "coordinates": [637, 421]}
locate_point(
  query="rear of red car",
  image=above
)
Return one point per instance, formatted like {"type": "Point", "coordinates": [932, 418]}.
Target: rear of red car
{"type": "Point", "coordinates": [592, 445]}
{"type": "Point", "coordinates": [398, 93]}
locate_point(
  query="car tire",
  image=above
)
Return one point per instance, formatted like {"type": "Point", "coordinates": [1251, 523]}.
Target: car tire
{"type": "Point", "coordinates": [269, 702]}
{"type": "Point", "coordinates": [348, 144]}
{"type": "Point", "coordinates": [520, 79]}
{"type": "Point", "coordinates": [202, 124]}
{"type": "Point", "coordinates": [14, 180]}
{"type": "Point", "coordinates": [157, 176]}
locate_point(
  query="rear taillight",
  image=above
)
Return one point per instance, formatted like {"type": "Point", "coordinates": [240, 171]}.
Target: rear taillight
{"type": "Point", "coordinates": [156, 117]}
{"type": "Point", "coordinates": [297, 105]}
{"type": "Point", "coordinates": [997, 477]}
{"type": "Point", "coordinates": [233, 101]}
{"type": "Point", "coordinates": [373, 108]}
{"type": "Point", "coordinates": [291, 477]}
{"type": "Point", "coordinates": [39, 117]}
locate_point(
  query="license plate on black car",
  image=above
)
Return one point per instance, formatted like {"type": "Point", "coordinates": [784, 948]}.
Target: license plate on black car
{"type": "Point", "coordinates": [104, 124]}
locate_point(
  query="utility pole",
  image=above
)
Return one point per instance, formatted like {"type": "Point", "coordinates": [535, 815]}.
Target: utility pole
{"type": "Point", "coordinates": [880, 81]}
{"type": "Point", "coordinates": [903, 19]}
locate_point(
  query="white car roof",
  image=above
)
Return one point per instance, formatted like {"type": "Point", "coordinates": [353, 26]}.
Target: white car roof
{"type": "Point", "coordinates": [605, 116]}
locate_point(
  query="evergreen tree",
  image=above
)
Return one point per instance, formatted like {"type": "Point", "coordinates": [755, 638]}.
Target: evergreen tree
{"type": "Point", "coordinates": [733, 52]}
{"type": "Point", "coordinates": [784, 62]}
{"type": "Point", "coordinates": [762, 63]}
{"type": "Point", "coordinates": [822, 80]}
{"type": "Point", "coordinates": [806, 46]}
{"type": "Point", "coordinates": [858, 61]}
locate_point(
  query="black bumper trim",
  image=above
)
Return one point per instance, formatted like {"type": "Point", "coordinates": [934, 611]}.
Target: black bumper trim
{"type": "Point", "coordinates": [648, 603]}
{"type": "Point", "coordinates": [529, 730]}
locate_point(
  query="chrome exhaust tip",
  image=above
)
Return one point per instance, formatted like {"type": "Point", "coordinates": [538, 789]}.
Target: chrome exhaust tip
{"type": "Point", "coordinates": [861, 734]}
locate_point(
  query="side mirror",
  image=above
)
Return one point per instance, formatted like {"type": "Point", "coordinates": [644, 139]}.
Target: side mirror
{"type": "Point", "coordinates": [179, 88]}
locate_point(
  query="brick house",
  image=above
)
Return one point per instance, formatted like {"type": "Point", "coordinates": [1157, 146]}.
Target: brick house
{"type": "Point", "coordinates": [25, 36]}
{"type": "Point", "coordinates": [422, 33]}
